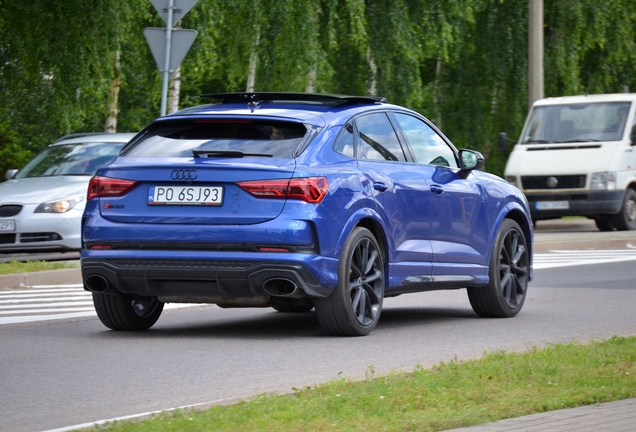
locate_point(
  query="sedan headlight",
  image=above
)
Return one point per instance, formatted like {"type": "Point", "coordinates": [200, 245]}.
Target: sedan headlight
{"type": "Point", "coordinates": [61, 206]}
{"type": "Point", "coordinates": [604, 181]}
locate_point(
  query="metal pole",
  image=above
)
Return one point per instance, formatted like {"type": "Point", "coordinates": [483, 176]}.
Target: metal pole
{"type": "Point", "coordinates": [166, 67]}
{"type": "Point", "coordinates": [535, 51]}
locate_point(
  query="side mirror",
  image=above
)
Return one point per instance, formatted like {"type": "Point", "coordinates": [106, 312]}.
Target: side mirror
{"type": "Point", "coordinates": [11, 173]}
{"type": "Point", "coordinates": [470, 160]}
{"type": "Point", "coordinates": [504, 140]}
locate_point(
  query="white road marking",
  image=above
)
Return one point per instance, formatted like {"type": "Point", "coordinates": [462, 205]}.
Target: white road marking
{"type": "Point", "coordinates": [566, 258]}
{"type": "Point", "coordinates": [51, 302]}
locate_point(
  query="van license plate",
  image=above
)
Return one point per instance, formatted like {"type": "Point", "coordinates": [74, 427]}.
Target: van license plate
{"type": "Point", "coordinates": [185, 195]}
{"type": "Point", "coordinates": [7, 225]}
{"type": "Point", "coordinates": [552, 205]}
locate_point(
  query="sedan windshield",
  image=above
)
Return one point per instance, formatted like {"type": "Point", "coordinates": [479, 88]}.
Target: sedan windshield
{"type": "Point", "coordinates": [70, 159]}
{"type": "Point", "coordinates": [580, 122]}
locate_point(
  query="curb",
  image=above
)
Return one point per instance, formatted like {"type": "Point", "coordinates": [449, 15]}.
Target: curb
{"type": "Point", "coordinates": [584, 241]}
{"type": "Point", "coordinates": [47, 277]}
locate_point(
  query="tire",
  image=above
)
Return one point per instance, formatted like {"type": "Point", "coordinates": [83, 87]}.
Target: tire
{"type": "Point", "coordinates": [124, 312]}
{"type": "Point", "coordinates": [626, 218]}
{"type": "Point", "coordinates": [293, 307]}
{"type": "Point", "coordinates": [506, 291]}
{"type": "Point", "coordinates": [354, 306]}
{"type": "Point", "coordinates": [604, 224]}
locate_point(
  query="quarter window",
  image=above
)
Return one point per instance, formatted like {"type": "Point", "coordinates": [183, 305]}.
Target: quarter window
{"type": "Point", "coordinates": [427, 145]}
{"type": "Point", "coordinates": [344, 142]}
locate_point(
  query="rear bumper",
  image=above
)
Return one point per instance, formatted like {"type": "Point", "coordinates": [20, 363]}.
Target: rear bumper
{"type": "Point", "coordinates": [580, 204]}
{"type": "Point", "coordinates": [200, 277]}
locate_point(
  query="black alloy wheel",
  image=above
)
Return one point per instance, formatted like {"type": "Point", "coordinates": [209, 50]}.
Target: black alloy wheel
{"type": "Point", "coordinates": [354, 307]}
{"type": "Point", "coordinates": [509, 274]}
{"type": "Point", "coordinates": [125, 312]}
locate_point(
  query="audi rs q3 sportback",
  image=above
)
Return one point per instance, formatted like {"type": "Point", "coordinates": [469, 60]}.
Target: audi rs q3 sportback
{"type": "Point", "coordinates": [299, 201]}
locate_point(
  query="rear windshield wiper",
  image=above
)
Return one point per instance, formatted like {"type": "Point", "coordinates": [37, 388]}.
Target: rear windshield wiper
{"type": "Point", "coordinates": [226, 153]}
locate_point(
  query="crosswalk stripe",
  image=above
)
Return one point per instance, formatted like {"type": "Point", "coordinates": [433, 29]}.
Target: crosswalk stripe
{"type": "Point", "coordinates": [33, 318]}
{"type": "Point", "coordinates": [46, 305]}
{"type": "Point", "coordinates": [41, 298]}
{"type": "Point", "coordinates": [39, 311]}
{"type": "Point", "coordinates": [51, 302]}
{"type": "Point", "coordinates": [564, 258]}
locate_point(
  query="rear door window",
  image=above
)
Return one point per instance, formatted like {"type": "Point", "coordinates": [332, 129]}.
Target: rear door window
{"type": "Point", "coordinates": [377, 139]}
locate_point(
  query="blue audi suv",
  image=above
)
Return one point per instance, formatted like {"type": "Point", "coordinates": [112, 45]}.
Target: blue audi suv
{"type": "Point", "coordinates": [300, 202]}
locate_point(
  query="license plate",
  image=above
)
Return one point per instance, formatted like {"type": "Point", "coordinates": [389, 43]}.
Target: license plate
{"type": "Point", "coordinates": [185, 195]}
{"type": "Point", "coordinates": [7, 225]}
{"type": "Point", "coordinates": [552, 205]}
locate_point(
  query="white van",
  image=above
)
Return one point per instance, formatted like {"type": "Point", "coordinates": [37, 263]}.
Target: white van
{"type": "Point", "coordinates": [577, 157]}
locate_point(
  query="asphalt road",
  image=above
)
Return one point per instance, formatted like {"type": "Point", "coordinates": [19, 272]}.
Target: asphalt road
{"type": "Point", "coordinates": [61, 373]}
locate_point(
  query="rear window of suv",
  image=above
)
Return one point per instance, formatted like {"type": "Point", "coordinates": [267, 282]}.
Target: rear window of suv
{"type": "Point", "coordinates": [219, 137]}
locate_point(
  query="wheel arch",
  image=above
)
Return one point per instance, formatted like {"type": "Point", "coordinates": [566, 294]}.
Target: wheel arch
{"type": "Point", "coordinates": [369, 219]}
{"type": "Point", "coordinates": [379, 234]}
{"type": "Point", "coordinates": [515, 212]}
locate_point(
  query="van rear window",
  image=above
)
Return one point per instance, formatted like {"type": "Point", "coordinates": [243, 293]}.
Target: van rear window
{"type": "Point", "coordinates": [185, 138]}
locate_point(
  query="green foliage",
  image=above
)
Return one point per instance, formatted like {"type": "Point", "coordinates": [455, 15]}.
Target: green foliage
{"type": "Point", "coordinates": [462, 63]}
{"type": "Point", "coordinates": [16, 267]}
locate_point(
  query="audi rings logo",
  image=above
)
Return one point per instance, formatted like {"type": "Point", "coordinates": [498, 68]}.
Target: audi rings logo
{"type": "Point", "coordinates": [183, 174]}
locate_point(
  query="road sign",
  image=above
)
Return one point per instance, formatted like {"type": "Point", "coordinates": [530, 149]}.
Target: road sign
{"type": "Point", "coordinates": [182, 40]}
{"type": "Point", "coordinates": [170, 45]}
{"type": "Point", "coordinates": [180, 8]}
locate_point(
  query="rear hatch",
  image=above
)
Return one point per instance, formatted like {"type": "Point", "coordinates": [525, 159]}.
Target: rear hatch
{"type": "Point", "coordinates": [203, 171]}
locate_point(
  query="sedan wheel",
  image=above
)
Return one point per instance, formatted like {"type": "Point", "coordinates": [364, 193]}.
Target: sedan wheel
{"type": "Point", "coordinates": [509, 270]}
{"type": "Point", "coordinates": [354, 307]}
{"type": "Point", "coordinates": [123, 312]}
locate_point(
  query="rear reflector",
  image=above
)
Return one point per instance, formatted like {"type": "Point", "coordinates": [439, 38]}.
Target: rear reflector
{"type": "Point", "coordinates": [100, 246]}
{"type": "Point", "coordinates": [108, 187]}
{"type": "Point", "coordinates": [310, 189]}
{"type": "Point", "coordinates": [272, 249]}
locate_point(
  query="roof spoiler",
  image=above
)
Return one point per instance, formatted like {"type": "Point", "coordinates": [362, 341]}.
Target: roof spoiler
{"type": "Point", "coordinates": [257, 97]}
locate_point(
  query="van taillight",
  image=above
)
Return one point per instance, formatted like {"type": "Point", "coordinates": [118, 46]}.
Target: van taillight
{"type": "Point", "coordinates": [108, 187]}
{"type": "Point", "coordinates": [310, 189]}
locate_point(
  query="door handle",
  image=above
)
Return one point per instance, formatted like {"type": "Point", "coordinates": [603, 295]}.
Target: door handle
{"type": "Point", "coordinates": [379, 186]}
{"type": "Point", "coordinates": [437, 190]}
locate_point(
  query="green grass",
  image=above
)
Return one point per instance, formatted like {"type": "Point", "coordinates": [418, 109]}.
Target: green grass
{"type": "Point", "coordinates": [449, 395]}
{"type": "Point", "coordinates": [34, 266]}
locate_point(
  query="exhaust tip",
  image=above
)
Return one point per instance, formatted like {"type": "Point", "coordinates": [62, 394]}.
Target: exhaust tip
{"type": "Point", "coordinates": [280, 287]}
{"type": "Point", "coordinates": [96, 283]}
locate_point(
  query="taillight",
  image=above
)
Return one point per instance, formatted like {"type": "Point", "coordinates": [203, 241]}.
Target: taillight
{"type": "Point", "coordinates": [108, 187]}
{"type": "Point", "coordinates": [310, 189]}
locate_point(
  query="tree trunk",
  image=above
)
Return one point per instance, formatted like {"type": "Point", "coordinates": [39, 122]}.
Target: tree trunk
{"type": "Point", "coordinates": [251, 72]}
{"type": "Point", "coordinates": [373, 68]}
{"type": "Point", "coordinates": [311, 79]}
{"type": "Point", "coordinates": [111, 120]}
{"type": "Point", "coordinates": [437, 94]}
